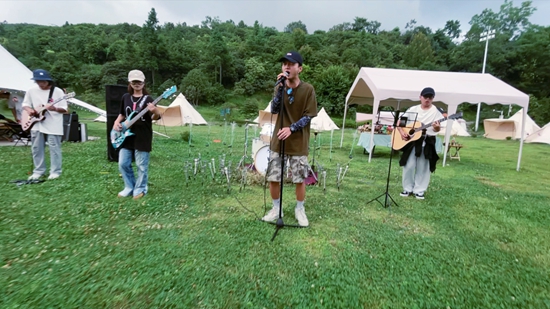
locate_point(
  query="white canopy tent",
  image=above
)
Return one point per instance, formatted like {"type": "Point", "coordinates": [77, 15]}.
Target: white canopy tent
{"type": "Point", "coordinates": [15, 77]}
{"type": "Point", "coordinates": [401, 89]}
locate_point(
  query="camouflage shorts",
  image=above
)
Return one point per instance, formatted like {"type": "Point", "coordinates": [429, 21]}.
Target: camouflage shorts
{"type": "Point", "coordinates": [298, 168]}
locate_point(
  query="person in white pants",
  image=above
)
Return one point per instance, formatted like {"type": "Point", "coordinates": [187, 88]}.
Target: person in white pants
{"type": "Point", "coordinates": [419, 157]}
{"type": "Point", "coordinates": [51, 128]}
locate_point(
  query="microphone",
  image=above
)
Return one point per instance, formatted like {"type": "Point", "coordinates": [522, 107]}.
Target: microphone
{"type": "Point", "coordinates": [282, 79]}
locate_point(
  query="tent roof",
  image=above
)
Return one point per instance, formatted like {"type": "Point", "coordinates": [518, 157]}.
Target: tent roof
{"type": "Point", "coordinates": [16, 76]}
{"type": "Point", "coordinates": [540, 136]}
{"type": "Point", "coordinates": [322, 122]}
{"type": "Point", "coordinates": [452, 88]}
{"type": "Point", "coordinates": [179, 113]}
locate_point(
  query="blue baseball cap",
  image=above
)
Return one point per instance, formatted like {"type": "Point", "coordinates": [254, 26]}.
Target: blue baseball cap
{"type": "Point", "coordinates": [40, 74]}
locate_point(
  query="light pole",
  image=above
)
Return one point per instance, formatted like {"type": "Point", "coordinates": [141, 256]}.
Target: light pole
{"type": "Point", "coordinates": [484, 36]}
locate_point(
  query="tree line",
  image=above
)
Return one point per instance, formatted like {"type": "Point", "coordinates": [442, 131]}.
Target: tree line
{"type": "Point", "coordinates": [218, 59]}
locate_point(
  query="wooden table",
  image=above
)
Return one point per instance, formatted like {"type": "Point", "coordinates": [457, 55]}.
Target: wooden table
{"type": "Point", "coordinates": [456, 149]}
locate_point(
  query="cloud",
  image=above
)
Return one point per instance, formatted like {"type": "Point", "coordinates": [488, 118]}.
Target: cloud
{"type": "Point", "coordinates": [315, 14]}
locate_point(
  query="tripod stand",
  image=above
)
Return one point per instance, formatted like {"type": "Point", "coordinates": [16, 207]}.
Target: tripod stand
{"type": "Point", "coordinates": [386, 193]}
{"type": "Point", "coordinates": [242, 163]}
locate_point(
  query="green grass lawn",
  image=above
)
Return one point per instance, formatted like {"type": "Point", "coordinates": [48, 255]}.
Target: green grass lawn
{"type": "Point", "coordinates": [479, 240]}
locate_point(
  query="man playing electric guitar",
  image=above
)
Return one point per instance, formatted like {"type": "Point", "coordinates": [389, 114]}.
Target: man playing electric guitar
{"type": "Point", "coordinates": [138, 145]}
{"type": "Point", "coordinates": [419, 157]}
{"type": "Point", "coordinates": [50, 128]}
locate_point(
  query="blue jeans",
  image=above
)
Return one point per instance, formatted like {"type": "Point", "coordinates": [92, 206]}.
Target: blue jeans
{"type": "Point", "coordinates": [131, 185]}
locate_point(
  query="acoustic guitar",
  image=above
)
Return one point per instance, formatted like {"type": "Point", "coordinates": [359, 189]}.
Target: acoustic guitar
{"type": "Point", "coordinates": [118, 137]}
{"type": "Point", "coordinates": [415, 131]}
{"type": "Point", "coordinates": [27, 121]}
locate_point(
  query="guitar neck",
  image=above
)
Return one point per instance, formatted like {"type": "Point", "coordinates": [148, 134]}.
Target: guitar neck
{"type": "Point", "coordinates": [65, 97]}
{"type": "Point", "coordinates": [143, 112]}
{"type": "Point", "coordinates": [429, 125]}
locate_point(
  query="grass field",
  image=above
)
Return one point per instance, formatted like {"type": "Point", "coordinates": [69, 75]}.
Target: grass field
{"type": "Point", "coordinates": [479, 240]}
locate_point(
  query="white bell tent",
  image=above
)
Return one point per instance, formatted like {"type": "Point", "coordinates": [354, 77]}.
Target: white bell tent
{"type": "Point", "coordinates": [15, 77]}
{"type": "Point", "coordinates": [322, 122]}
{"type": "Point", "coordinates": [540, 136]}
{"type": "Point", "coordinates": [401, 89]}
{"type": "Point", "coordinates": [179, 113]}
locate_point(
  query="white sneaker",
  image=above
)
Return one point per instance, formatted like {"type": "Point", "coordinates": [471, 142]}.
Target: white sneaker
{"type": "Point", "coordinates": [300, 214]}
{"type": "Point", "coordinates": [125, 193]}
{"type": "Point", "coordinates": [272, 215]}
{"type": "Point", "coordinates": [53, 176]}
{"type": "Point", "coordinates": [34, 176]}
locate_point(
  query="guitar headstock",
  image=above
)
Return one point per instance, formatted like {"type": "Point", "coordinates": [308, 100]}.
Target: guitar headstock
{"type": "Point", "coordinates": [455, 116]}
{"type": "Point", "coordinates": [170, 91]}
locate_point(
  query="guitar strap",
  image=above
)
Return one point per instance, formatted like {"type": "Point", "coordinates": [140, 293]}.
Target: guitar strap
{"type": "Point", "coordinates": [52, 88]}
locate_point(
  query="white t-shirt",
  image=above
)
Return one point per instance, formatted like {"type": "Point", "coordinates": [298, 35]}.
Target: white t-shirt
{"type": "Point", "coordinates": [37, 98]}
{"type": "Point", "coordinates": [424, 116]}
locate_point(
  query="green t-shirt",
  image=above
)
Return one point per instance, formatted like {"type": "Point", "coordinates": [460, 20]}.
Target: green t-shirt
{"type": "Point", "coordinates": [305, 104]}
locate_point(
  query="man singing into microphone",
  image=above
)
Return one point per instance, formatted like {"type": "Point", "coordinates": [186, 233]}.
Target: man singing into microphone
{"type": "Point", "coordinates": [299, 106]}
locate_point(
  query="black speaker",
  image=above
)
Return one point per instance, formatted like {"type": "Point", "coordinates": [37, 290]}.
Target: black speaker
{"type": "Point", "coordinates": [71, 128]}
{"type": "Point", "coordinates": [113, 98]}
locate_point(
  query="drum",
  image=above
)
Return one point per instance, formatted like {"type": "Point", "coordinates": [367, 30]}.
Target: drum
{"type": "Point", "coordinates": [261, 160]}
{"type": "Point", "coordinates": [256, 145]}
{"type": "Point", "coordinates": [267, 132]}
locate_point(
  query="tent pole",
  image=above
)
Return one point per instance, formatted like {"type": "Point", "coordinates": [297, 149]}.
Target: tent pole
{"type": "Point", "coordinates": [375, 105]}
{"type": "Point", "coordinates": [522, 136]}
{"type": "Point", "coordinates": [344, 124]}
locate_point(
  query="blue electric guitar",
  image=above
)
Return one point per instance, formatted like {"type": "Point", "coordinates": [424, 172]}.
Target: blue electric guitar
{"type": "Point", "coordinates": [118, 137]}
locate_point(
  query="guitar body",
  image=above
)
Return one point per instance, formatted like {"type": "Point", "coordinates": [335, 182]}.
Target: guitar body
{"type": "Point", "coordinates": [415, 131]}
{"type": "Point", "coordinates": [398, 142]}
{"type": "Point", "coordinates": [27, 121]}
{"type": "Point", "coordinates": [118, 137]}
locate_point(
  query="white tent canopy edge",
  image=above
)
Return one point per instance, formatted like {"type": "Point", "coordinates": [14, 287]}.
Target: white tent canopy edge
{"type": "Point", "coordinates": [401, 88]}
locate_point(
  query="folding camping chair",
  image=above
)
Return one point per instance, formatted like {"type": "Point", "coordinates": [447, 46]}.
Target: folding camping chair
{"type": "Point", "coordinates": [13, 131]}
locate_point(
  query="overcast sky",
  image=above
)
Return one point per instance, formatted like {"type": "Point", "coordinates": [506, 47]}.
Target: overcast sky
{"type": "Point", "coordinates": [315, 14]}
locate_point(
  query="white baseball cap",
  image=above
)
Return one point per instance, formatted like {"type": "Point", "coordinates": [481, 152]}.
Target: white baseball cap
{"type": "Point", "coordinates": [136, 75]}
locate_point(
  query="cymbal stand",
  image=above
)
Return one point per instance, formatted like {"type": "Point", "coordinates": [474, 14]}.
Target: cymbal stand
{"type": "Point", "coordinates": [330, 152]}
{"type": "Point", "coordinates": [324, 173]}
{"type": "Point", "coordinates": [242, 162]}
{"type": "Point", "coordinates": [233, 126]}
{"type": "Point", "coordinates": [227, 172]}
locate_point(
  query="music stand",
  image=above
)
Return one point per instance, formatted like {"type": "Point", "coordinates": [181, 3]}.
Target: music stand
{"type": "Point", "coordinates": [386, 193]}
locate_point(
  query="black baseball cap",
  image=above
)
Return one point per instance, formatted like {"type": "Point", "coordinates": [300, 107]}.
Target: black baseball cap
{"type": "Point", "coordinates": [427, 91]}
{"type": "Point", "coordinates": [292, 56]}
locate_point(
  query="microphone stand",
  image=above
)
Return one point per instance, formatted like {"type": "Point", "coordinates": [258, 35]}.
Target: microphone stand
{"type": "Point", "coordinates": [386, 194]}
{"type": "Point", "coordinates": [279, 224]}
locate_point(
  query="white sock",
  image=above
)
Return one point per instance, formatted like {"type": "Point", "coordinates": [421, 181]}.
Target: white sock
{"type": "Point", "coordinates": [276, 203]}
{"type": "Point", "coordinates": [299, 204]}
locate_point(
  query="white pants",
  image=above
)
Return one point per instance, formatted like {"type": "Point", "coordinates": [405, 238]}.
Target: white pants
{"type": "Point", "coordinates": [38, 146]}
{"type": "Point", "coordinates": [416, 173]}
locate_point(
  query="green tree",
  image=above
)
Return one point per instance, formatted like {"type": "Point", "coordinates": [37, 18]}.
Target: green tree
{"type": "Point", "coordinates": [255, 79]}
{"type": "Point", "coordinates": [295, 25]}
{"type": "Point", "coordinates": [195, 86]}
{"type": "Point", "coordinates": [149, 45]}
{"type": "Point", "coordinates": [419, 51]}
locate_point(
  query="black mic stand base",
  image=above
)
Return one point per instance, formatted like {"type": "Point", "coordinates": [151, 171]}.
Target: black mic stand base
{"type": "Point", "coordinates": [386, 203]}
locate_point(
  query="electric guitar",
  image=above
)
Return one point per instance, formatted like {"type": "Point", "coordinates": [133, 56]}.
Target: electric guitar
{"type": "Point", "coordinates": [27, 121]}
{"type": "Point", "coordinates": [118, 137]}
{"type": "Point", "coordinates": [398, 142]}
